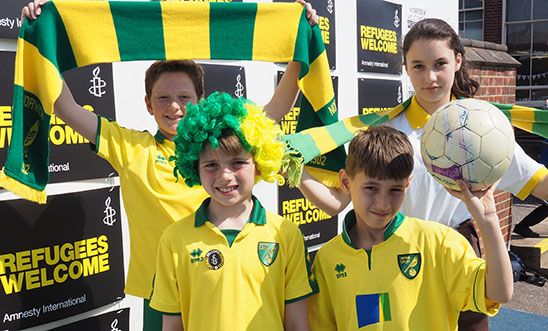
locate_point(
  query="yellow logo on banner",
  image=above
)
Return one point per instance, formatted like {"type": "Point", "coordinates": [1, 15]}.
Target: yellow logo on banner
{"type": "Point", "coordinates": [378, 39]}
{"type": "Point", "coordinates": [289, 122]}
{"type": "Point", "coordinates": [59, 133]}
{"type": "Point", "coordinates": [39, 267]}
{"type": "Point", "coordinates": [5, 126]}
{"type": "Point", "coordinates": [302, 211]}
{"type": "Point", "coordinates": [323, 23]}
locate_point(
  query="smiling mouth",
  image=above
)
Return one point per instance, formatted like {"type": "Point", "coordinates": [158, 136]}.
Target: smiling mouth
{"type": "Point", "coordinates": [173, 118]}
{"type": "Point", "coordinates": [227, 189]}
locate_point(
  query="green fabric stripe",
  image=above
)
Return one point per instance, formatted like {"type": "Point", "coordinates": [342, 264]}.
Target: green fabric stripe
{"type": "Point", "coordinates": [339, 133]}
{"type": "Point", "coordinates": [393, 225]}
{"type": "Point", "coordinates": [324, 114]}
{"type": "Point", "coordinates": [50, 38]}
{"type": "Point", "coordinates": [132, 24]}
{"type": "Point", "coordinates": [304, 143]}
{"type": "Point", "coordinates": [385, 303]}
{"type": "Point", "coordinates": [231, 28]}
{"type": "Point", "coordinates": [301, 45]}
{"type": "Point", "coordinates": [30, 131]}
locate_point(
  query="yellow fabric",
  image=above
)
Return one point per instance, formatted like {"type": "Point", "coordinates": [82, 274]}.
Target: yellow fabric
{"type": "Point", "coordinates": [85, 30]}
{"type": "Point", "coordinates": [192, 37]}
{"type": "Point", "coordinates": [319, 72]}
{"type": "Point", "coordinates": [416, 115]}
{"type": "Point", "coordinates": [243, 294]}
{"type": "Point", "coordinates": [152, 199]}
{"type": "Point", "coordinates": [451, 278]}
{"type": "Point", "coordinates": [274, 28]}
{"type": "Point", "coordinates": [532, 183]}
{"type": "Point", "coordinates": [50, 82]}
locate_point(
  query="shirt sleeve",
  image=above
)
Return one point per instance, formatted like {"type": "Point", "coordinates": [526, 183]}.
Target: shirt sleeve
{"type": "Point", "coordinates": [119, 145]}
{"type": "Point", "coordinates": [464, 275]}
{"type": "Point", "coordinates": [298, 279]}
{"type": "Point", "coordinates": [321, 314]}
{"type": "Point", "coordinates": [165, 296]}
{"type": "Point", "coordinates": [522, 175]}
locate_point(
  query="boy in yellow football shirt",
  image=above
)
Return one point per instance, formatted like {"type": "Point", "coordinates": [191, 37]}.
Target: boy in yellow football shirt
{"type": "Point", "coordinates": [152, 198]}
{"type": "Point", "coordinates": [231, 265]}
{"type": "Point", "coordinates": [392, 272]}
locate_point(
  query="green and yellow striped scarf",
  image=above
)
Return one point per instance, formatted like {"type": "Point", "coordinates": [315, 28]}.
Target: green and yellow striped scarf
{"type": "Point", "coordinates": [308, 145]}
{"type": "Point", "coordinates": [71, 34]}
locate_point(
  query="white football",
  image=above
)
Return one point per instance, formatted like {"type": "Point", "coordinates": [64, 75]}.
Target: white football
{"type": "Point", "coordinates": [467, 139]}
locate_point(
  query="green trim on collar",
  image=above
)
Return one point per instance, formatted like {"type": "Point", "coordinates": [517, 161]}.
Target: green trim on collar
{"type": "Point", "coordinates": [258, 213]}
{"type": "Point", "coordinates": [350, 221]}
{"type": "Point", "coordinates": [416, 115]}
{"type": "Point", "coordinates": [159, 137]}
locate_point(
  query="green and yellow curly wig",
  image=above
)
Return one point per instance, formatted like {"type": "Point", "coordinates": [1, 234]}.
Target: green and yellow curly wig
{"type": "Point", "coordinates": [221, 115]}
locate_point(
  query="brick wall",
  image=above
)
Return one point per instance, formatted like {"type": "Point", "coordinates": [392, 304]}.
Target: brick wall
{"type": "Point", "coordinates": [492, 21]}
{"type": "Point", "coordinates": [498, 84]}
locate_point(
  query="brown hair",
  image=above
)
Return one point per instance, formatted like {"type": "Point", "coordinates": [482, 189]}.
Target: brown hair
{"type": "Point", "coordinates": [229, 144]}
{"type": "Point", "coordinates": [380, 152]}
{"type": "Point", "coordinates": [191, 68]}
{"type": "Point", "coordinates": [432, 28]}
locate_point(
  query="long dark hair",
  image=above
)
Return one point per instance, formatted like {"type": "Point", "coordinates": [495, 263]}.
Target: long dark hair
{"type": "Point", "coordinates": [432, 28]}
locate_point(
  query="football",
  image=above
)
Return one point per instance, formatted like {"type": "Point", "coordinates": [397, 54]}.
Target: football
{"type": "Point", "coordinates": [467, 139]}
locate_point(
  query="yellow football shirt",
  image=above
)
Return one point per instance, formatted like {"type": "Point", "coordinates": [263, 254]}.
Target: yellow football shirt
{"type": "Point", "coordinates": [419, 278]}
{"type": "Point", "coordinates": [152, 198]}
{"type": "Point", "coordinates": [244, 286]}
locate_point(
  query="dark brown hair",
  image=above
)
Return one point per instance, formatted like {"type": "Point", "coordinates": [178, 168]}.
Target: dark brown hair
{"type": "Point", "coordinates": [380, 152]}
{"type": "Point", "coordinates": [432, 28]}
{"type": "Point", "coordinates": [191, 68]}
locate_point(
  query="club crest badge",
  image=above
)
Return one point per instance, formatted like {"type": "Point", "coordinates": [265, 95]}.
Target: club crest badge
{"type": "Point", "coordinates": [410, 264]}
{"type": "Point", "coordinates": [214, 259]}
{"type": "Point", "coordinates": [267, 252]}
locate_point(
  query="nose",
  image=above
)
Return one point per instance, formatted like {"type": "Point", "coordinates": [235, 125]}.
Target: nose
{"type": "Point", "coordinates": [175, 105]}
{"type": "Point", "coordinates": [431, 76]}
{"type": "Point", "coordinates": [382, 202]}
{"type": "Point", "coordinates": [226, 173]}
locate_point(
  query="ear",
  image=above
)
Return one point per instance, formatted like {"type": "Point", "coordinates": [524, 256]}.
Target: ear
{"type": "Point", "coordinates": [148, 103]}
{"type": "Point", "coordinates": [345, 181]}
{"type": "Point", "coordinates": [408, 182]}
{"type": "Point", "coordinates": [458, 61]}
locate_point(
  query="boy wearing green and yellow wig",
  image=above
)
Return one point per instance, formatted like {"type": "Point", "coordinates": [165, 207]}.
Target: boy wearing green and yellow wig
{"type": "Point", "coordinates": [231, 265]}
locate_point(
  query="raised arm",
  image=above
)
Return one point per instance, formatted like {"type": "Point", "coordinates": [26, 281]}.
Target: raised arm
{"type": "Point", "coordinates": [499, 284]}
{"type": "Point", "coordinates": [287, 91]}
{"type": "Point", "coordinates": [80, 119]}
{"type": "Point", "coordinates": [330, 200]}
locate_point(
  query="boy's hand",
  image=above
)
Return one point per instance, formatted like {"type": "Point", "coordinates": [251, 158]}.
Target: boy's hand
{"type": "Point", "coordinates": [481, 204]}
{"type": "Point", "coordinates": [32, 10]}
{"type": "Point", "coordinates": [310, 12]}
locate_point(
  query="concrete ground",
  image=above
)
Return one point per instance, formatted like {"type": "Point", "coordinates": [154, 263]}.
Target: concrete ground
{"type": "Point", "coordinates": [528, 297]}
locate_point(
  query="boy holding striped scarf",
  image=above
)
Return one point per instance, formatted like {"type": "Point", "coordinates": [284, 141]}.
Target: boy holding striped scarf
{"type": "Point", "coordinates": [152, 197]}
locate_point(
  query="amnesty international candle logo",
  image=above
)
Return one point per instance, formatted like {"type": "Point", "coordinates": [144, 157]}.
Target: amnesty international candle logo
{"type": "Point", "coordinates": [230, 79]}
{"type": "Point", "coordinates": [379, 36]}
{"type": "Point", "coordinates": [97, 84]}
{"type": "Point", "coordinates": [110, 213]}
{"type": "Point", "coordinates": [58, 259]}
{"type": "Point", "coordinates": [117, 320]}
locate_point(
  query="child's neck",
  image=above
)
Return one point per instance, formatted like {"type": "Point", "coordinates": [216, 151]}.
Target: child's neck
{"type": "Point", "coordinates": [431, 107]}
{"type": "Point", "coordinates": [365, 237]}
{"type": "Point", "coordinates": [230, 217]}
